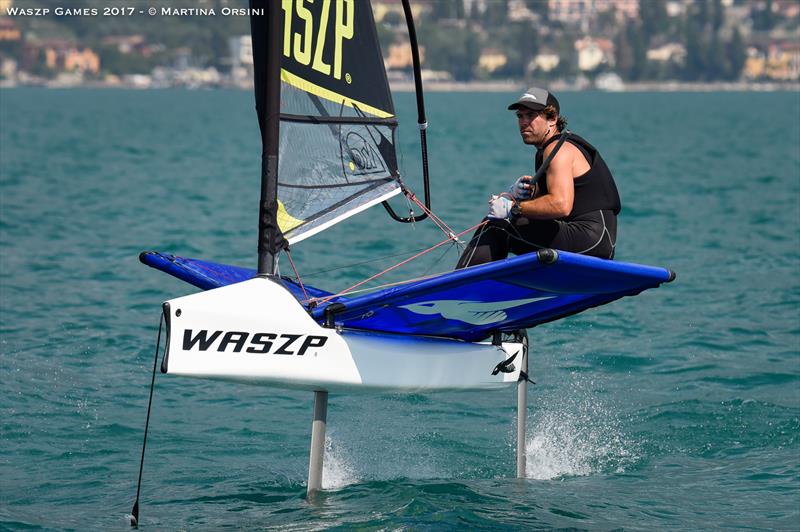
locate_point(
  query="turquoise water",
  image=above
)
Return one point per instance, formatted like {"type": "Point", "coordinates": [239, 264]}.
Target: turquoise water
{"type": "Point", "coordinates": [676, 409]}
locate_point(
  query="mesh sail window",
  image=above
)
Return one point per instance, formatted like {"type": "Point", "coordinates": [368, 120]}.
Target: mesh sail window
{"type": "Point", "coordinates": [337, 132]}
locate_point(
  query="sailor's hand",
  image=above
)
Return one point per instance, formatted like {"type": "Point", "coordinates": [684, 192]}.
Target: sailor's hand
{"type": "Point", "coordinates": [522, 188]}
{"type": "Point", "coordinates": [500, 207]}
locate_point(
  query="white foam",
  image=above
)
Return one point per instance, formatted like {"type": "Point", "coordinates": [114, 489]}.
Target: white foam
{"type": "Point", "coordinates": [576, 438]}
{"type": "Point", "coordinates": [337, 468]}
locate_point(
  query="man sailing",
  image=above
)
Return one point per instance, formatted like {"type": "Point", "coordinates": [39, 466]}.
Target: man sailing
{"type": "Point", "coordinates": [570, 204]}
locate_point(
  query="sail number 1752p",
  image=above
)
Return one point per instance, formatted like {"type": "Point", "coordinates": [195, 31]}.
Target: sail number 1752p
{"type": "Point", "coordinates": [307, 44]}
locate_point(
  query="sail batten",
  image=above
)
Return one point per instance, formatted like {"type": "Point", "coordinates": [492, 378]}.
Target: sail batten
{"type": "Point", "coordinates": [324, 222]}
{"type": "Point", "coordinates": [317, 90]}
{"type": "Point", "coordinates": [334, 185]}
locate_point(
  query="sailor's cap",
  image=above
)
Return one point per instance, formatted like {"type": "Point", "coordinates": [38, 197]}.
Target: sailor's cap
{"type": "Point", "coordinates": [536, 99]}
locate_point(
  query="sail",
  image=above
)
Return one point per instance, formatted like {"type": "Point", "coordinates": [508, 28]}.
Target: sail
{"type": "Point", "coordinates": [337, 131]}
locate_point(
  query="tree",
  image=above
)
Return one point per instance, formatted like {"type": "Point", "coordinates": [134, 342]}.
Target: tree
{"type": "Point", "coordinates": [447, 9]}
{"type": "Point", "coordinates": [40, 68]}
{"type": "Point", "coordinates": [653, 16]}
{"type": "Point", "coordinates": [452, 49]}
{"type": "Point", "coordinates": [702, 13]}
{"type": "Point", "coordinates": [717, 15]}
{"type": "Point", "coordinates": [539, 7]}
{"type": "Point", "coordinates": [605, 23]}
{"type": "Point", "coordinates": [466, 58]}
{"type": "Point", "coordinates": [717, 64]}
{"type": "Point", "coordinates": [474, 13]}
{"type": "Point", "coordinates": [763, 16]}
{"type": "Point", "coordinates": [737, 55]}
{"type": "Point", "coordinates": [496, 13]}
{"type": "Point", "coordinates": [638, 44]}
{"type": "Point", "coordinates": [393, 18]}
{"type": "Point", "coordinates": [696, 52]}
{"type": "Point", "coordinates": [113, 61]}
{"type": "Point", "coordinates": [386, 36]}
{"type": "Point", "coordinates": [520, 43]}
{"type": "Point", "coordinates": [624, 54]}
{"type": "Point", "coordinates": [459, 10]}
{"type": "Point", "coordinates": [564, 46]}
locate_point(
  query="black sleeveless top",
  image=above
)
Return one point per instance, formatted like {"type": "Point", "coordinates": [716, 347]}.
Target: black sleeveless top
{"type": "Point", "coordinates": [595, 190]}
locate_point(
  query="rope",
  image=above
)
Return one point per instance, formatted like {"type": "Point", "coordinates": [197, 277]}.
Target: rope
{"type": "Point", "coordinates": [395, 283]}
{"type": "Point", "coordinates": [438, 221]}
{"type": "Point", "coordinates": [387, 270]}
{"type": "Point", "coordinates": [475, 247]}
{"type": "Point", "coordinates": [353, 264]}
{"type": "Point", "coordinates": [297, 274]}
{"type": "Point", "coordinates": [441, 257]}
{"type": "Point", "coordinates": [135, 510]}
{"type": "Point", "coordinates": [452, 238]}
{"type": "Point", "coordinates": [441, 224]}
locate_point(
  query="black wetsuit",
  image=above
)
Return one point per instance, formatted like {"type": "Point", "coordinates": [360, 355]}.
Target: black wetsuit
{"type": "Point", "coordinates": [591, 227]}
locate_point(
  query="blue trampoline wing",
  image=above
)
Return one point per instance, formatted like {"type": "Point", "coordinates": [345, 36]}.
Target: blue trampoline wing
{"type": "Point", "coordinates": [208, 275]}
{"type": "Point", "coordinates": [468, 304]}
{"type": "Point", "coordinates": [519, 292]}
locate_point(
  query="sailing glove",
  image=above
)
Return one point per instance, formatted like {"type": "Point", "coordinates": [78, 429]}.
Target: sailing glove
{"type": "Point", "coordinates": [522, 188]}
{"type": "Point", "coordinates": [501, 207]}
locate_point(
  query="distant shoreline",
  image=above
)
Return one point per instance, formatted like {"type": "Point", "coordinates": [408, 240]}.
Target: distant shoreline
{"type": "Point", "coordinates": [474, 86]}
{"type": "Point", "coordinates": [561, 86]}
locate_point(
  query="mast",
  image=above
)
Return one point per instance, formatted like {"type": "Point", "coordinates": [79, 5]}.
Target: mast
{"type": "Point", "coordinates": [267, 34]}
{"type": "Point", "coordinates": [422, 121]}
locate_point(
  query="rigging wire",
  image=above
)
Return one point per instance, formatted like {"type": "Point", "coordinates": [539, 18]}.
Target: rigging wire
{"type": "Point", "coordinates": [297, 274]}
{"type": "Point", "coordinates": [452, 238]}
{"type": "Point", "coordinates": [441, 257]}
{"type": "Point", "coordinates": [476, 239]}
{"type": "Point", "coordinates": [410, 210]}
{"type": "Point", "coordinates": [387, 270]}
{"type": "Point", "coordinates": [410, 196]}
{"type": "Point", "coordinates": [389, 285]}
{"type": "Point", "coordinates": [436, 220]}
{"type": "Point", "coordinates": [377, 259]}
{"type": "Point", "coordinates": [134, 517]}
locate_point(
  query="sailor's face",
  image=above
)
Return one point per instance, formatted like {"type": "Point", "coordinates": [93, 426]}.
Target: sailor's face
{"type": "Point", "coordinates": [533, 126]}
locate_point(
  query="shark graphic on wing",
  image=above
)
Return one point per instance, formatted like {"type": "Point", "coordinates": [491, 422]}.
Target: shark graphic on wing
{"type": "Point", "coordinates": [472, 312]}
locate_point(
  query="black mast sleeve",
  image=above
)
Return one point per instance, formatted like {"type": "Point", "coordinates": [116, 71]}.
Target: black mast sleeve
{"type": "Point", "coordinates": [267, 33]}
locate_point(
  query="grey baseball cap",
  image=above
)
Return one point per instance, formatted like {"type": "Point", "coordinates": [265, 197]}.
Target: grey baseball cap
{"type": "Point", "coordinates": [536, 99]}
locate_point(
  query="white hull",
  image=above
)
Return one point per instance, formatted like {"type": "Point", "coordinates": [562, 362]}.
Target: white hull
{"type": "Point", "coordinates": [256, 332]}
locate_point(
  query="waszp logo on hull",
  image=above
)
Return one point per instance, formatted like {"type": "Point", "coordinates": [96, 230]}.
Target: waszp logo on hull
{"type": "Point", "coordinates": [257, 343]}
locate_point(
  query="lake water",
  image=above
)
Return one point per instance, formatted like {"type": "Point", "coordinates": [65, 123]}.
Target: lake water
{"type": "Point", "coordinates": [676, 409]}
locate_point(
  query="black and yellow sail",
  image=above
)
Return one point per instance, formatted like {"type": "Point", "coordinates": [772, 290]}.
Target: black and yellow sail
{"type": "Point", "coordinates": [337, 119]}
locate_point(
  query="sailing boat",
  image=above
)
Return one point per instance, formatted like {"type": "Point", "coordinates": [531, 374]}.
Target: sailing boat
{"type": "Point", "coordinates": [328, 133]}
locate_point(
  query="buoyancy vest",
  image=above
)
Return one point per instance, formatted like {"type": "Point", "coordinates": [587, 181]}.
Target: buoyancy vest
{"type": "Point", "coordinates": [595, 190]}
